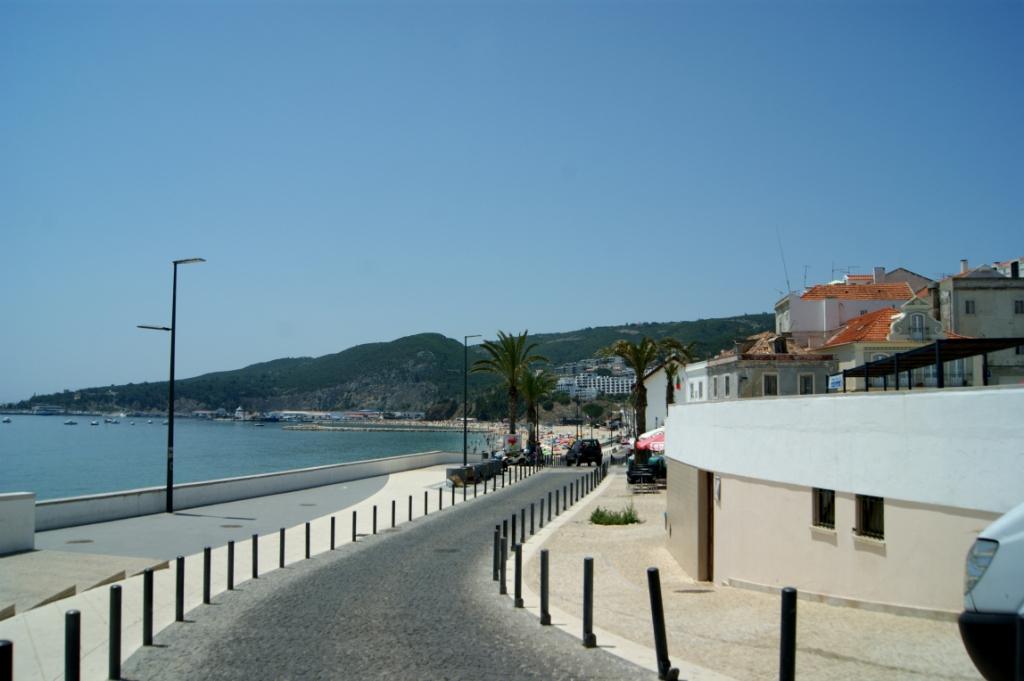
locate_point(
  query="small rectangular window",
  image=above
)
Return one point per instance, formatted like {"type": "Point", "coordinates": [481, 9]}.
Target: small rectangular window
{"type": "Point", "coordinates": [771, 384]}
{"type": "Point", "coordinates": [1018, 307]}
{"type": "Point", "coordinates": [727, 385]}
{"type": "Point", "coordinates": [714, 386]}
{"type": "Point", "coordinates": [806, 384]}
{"type": "Point", "coordinates": [700, 390]}
{"type": "Point", "coordinates": [870, 517]}
{"type": "Point", "coordinates": [824, 508]}
{"type": "Point", "coordinates": [968, 307]}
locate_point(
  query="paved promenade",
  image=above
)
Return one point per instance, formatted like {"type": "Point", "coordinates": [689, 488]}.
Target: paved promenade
{"type": "Point", "coordinates": [414, 602]}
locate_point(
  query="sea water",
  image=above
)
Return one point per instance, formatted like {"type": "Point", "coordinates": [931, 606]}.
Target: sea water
{"type": "Point", "coordinates": [40, 454]}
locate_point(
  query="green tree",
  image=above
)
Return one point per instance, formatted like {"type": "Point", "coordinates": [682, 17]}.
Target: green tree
{"type": "Point", "coordinates": [677, 359]}
{"type": "Point", "coordinates": [509, 358]}
{"type": "Point", "coordinates": [534, 387]}
{"type": "Point", "coordinates": [641, 357]}
{"type": "Point", "coordinates": [593, 410]}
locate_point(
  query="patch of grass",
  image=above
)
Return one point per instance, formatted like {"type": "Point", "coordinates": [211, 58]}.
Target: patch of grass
{"type": "Point", "coordinates": [603, 516]}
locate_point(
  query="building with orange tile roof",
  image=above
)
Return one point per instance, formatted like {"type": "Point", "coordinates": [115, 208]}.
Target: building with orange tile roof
{"type": "Point", "coordinates": [813, 316]}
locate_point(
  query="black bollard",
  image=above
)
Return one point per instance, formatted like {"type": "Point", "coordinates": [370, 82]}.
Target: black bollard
{"type": "Point", "coordinates": [147, 607]}
{"type": "Point", "coordinates": [1020, 649]}
{"type": "Point", "coordinates": [522, 526]}
{"type": "Point", "coordinates": [453, 496]}
{"type": "Point", "coordinates": [307, 540]}
{"type": "Point", "coordinates": [231, 565]}
{"type": "Point", "coordinates": [549, 507]}
{"type": "Point", "coordinates": [410, 508]}
{"type": "Point", "coordinates": [280, 548]}
{"type": "Point", "coordinates": [495, 487]}
{"type": "Point", "coordinates": [542, 513]}
{"type": "Point", "coordinates": [502, 588]}
{"type": "Point", "coordinates": [179, 590]}
{"type": "Point", "coordinates": [531, 518]}
{"type": "Point", "coordinates": [665, 669]}
{"type": "Point", "coordinates": [332, 533]}
{"type": "Point", "coordinates": [114, 634]}
{"type": "Point", "coordinates": [440, 498]}
{"type": "Point", "coordinates": [504, 527]}
{"type": "Point", "coordinates": [255, 556]}
{"type": "Point", "coordinates": [518, 603]}
{"type": "Point", "coordinates": [787, 637]}
{"type": "Point", "coordinates": [497, 549]}
{"type": "Point", "coordinates": [503, 479]}
{"type": "Point", "coordinates": [425, 502]}
{"type": "Point", "coordinates": [545, 615]}
{"type": "Point", "coordinates": [565, 498]}
{"type": "Point", "coordinates": [206, 575]}
{"type": "Point", "coordinates": [512, 537]}
{"type": "Point", "coordinates": [6, 660]}
{"type": "Point", "coordinates": [393, 514]}
{"type": "Point", "coordinates": [589, 640]}
{"type": "Point", "coordinates": [557, 505]}
{"type": "Point", "coordinates": [474, 488]}
{"type": "Point", "coordinates": [72, 645]}
{"type": "Point", "coordinates": [375, 519]}
{"type": "Point", "coordinates": [464, 491]}
{"type": "Point", "coordinates": [353, 526]}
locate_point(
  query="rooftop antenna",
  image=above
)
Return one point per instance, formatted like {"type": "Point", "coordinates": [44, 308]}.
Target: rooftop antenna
{"type": "Point", "coordinates": [806, 267]}
{"type": "Point", "coordinates": [783, 256]}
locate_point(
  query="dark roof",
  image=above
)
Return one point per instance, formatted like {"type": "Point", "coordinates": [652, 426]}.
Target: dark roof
{"type": "Point", "coordinates": [927, 355]}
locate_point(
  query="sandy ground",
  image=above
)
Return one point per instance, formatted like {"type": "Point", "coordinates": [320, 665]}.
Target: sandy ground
{"type": "Point", "coordinates": [730, 630]}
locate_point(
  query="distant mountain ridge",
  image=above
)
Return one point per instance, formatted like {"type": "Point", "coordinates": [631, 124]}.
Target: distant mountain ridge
{"type": "Point", "coordinates": [414, 373]}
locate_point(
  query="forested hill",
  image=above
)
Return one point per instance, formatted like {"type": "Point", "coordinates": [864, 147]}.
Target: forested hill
{"type": "Point", "coordinates": [419, 373]}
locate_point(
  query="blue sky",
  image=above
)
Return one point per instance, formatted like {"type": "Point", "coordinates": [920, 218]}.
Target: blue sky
{"type": "Point", "coordinates": [356, 172]}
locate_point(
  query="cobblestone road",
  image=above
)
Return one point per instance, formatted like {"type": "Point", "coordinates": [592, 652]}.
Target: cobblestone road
{"type": "Point", "coordinates": [412, 603]}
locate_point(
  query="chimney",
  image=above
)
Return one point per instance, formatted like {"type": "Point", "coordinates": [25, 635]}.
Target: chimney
{"type": "Point", "coordinates": [963, 266]}
{"type": "Point", "coordinates": [879, 275]}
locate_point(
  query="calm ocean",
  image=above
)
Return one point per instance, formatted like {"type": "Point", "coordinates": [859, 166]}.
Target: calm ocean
{"type": "Point", "coordinates": [40, 454]}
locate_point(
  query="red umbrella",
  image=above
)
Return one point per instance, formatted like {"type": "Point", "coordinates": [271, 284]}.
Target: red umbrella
{"type": "Point", "coordinates": [652, 440]}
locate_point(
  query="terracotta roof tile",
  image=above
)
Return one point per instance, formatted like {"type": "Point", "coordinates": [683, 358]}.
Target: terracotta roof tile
{"type": "Point", "coordinates": [873, 326]}
{"type": "Point", "coordinates": [900, 291]}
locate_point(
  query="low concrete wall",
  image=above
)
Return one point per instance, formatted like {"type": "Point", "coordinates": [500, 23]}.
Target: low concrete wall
{"type": "Point", "coordinates": [17, 522]}
{"type": "Point", "coordinates": [57, 513]}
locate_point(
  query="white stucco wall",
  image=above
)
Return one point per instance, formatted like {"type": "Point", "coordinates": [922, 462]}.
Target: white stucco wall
{"type": "Point", "coordinates": [56, 513]}
{"type": "Point", "coordinates": [962, 448]}
{"type": "Point", "coordinates": [17, 522]}
{"type": "Point", "coordinates": [655, 384]}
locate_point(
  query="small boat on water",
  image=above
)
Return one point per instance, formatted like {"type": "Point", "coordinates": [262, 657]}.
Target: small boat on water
{"type": "Point", "coordinates": [69, 422]}
{"type": "Point", "coordinates": [7, 419]}
{"type": "Point", "coordinates": [133, 423]}
{"type": "Point", "coordinates": [149, 421]}
{"type": "Point", "coordinates": [94, 423]}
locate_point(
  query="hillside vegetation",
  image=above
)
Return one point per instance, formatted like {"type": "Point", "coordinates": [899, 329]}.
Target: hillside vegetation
{"type": "Point", "coordinates": [416, 373]}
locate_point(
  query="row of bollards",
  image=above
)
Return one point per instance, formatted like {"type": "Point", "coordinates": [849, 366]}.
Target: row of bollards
{"type": "Point", "coordinates": [73, 621]}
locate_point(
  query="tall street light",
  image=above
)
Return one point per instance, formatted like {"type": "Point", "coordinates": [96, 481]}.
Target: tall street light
{"type": "Point", "coordinates": [465, 394]}
{"type": "Point", "coordinates": [170, 383]}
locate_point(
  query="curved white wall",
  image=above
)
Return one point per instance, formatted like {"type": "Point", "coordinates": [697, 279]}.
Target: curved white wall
{"type": "Point", "coordinates": [56, 513]}
{"type": "Point", "coordinates": [961, 448]}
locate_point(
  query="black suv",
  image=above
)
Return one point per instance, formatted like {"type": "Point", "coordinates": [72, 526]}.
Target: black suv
{"type": "Point", "coordinates": [584, 451]}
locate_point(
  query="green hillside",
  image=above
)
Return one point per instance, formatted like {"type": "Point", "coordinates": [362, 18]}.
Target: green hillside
{"type": "Point", "coordinates": [415, 373]}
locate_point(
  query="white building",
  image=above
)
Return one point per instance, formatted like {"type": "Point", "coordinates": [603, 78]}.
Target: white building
{"type": "Point", "coordinates": [590, 385]}
{"type": "Point", "coordinates": [763, 493]}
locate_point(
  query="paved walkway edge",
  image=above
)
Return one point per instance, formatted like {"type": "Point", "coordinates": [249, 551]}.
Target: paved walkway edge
{"type": "Point", "coordinates": [634, 652]}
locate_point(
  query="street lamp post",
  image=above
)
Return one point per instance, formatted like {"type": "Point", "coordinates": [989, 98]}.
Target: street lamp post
{"type": "Point", "coordinates": [170, 383]}
{"type": "Point", "coordinates": [465, 395]}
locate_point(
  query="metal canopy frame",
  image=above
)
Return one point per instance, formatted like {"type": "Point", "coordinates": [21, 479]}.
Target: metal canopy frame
{"type": "Point", "coordinates": [936, 354]}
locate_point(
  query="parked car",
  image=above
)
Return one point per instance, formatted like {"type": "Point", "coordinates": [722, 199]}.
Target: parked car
{"type": "Point", "coordinates": [994, 596]}
{"type": "Point", "coordinates": [655, 464]}
{"type": "Point", "coordinates": [586, 451]}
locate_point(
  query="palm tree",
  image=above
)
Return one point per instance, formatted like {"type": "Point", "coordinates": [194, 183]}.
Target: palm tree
{"type": "Point", "coordinates": [640, 357]}
{"type": "Point", "coordinates": [510, 357]}
{"type": "Point", "coordinates": [678, 359]}
{"type": "Point", "coordinates": [534, 387]}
